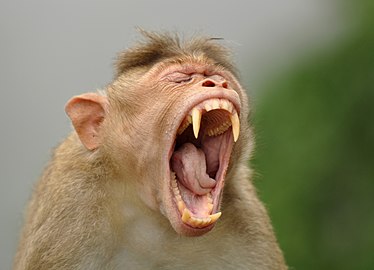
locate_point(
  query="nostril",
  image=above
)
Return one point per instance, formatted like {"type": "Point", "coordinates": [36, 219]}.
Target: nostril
{"type": "Point", "coordinates": [225, 85]}
{"type": "Point", "coordinates": [209, 83]}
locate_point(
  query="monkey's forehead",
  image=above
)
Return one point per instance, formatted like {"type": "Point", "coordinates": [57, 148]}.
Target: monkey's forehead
{"type": "Point", "coordinates": [158, 47]}
{"type": "Point", "coordinates": [188, 66]}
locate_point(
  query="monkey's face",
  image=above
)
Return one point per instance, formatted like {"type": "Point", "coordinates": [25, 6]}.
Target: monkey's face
{"type": "Point", "coordinates": [184, 140]}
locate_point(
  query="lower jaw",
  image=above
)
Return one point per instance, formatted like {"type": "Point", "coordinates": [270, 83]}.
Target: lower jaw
{"type": "Point", "coordinates": [186, 230]}
{"type": "Point", "coordinates": [201, 219]}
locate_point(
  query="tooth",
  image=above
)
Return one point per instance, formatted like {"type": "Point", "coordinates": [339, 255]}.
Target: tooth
{"type": "Point", "coordinates": [214, 217]}
{"type": "Point", "coordinates": [230, 106]}
{"type": "Point", "coordinates": [224, 104]}
{"type": "Point", "coordinates": [192, 222]}
{"type": "Point", "coordinates": [235, 125]}
{"type": "Point", "coordinates": [215, 104]}
{"type": "Point", "coordinates": [186, 215]}
{"type": "Point", "coordinates": [181, 206]}
{"type": "Point", "coordinates": [196, 120]}
{"type": "Point", "coordinates": [208, 107]}
{"type": "Point", "coordinates": [174, 184]}
{"type": "Point", "coordinates": [178, 197]}
{"type": "Point", "coordinates": [196, 221]}
{"type": "Point", "coordinates": [206, 221]}
{"type": "Point", "coordinates": [201, 222]}
{"type": "Point", "coordinates": [181, 129]}
{"type": "Point", "coordinates": [189, 120]}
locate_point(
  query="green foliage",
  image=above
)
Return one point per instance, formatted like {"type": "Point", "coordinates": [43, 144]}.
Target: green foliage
{"type": "Point", "coordinates": [315, 158]}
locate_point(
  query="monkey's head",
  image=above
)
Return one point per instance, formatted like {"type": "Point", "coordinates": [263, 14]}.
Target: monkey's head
{"type": "Point", "coordinates": [170, 126]}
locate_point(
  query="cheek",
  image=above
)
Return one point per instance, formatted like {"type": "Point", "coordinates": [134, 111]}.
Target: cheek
{"type": "Point", "coordinates": [147, 194]}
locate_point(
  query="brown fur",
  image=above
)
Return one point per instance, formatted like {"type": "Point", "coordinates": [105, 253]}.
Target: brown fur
{"type": "Point", "coordinates": [98, 208]}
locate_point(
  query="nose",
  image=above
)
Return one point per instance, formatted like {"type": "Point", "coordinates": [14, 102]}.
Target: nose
{"type": "Point", "coordinates": [209, 82]}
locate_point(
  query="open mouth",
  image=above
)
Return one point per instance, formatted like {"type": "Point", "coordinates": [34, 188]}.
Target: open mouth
{"type": "Point", "coordinates": [200, 159]}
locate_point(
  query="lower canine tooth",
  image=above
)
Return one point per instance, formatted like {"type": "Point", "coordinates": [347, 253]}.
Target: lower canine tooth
{"type": "Point", "coordinates": [214, 217]}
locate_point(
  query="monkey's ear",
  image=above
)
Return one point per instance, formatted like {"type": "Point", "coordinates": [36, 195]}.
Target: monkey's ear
{"type": "Point", "coordinates": [87, 112]}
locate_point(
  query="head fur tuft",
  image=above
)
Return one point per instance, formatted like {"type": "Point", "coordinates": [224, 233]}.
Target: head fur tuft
{"type": "Point", "coordinates": [156, 47]}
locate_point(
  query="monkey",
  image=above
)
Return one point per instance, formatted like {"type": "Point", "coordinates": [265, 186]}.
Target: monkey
{"type": "Point", "coordinates": [155, 173]}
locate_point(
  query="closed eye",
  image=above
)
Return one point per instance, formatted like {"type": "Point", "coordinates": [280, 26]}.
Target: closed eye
{"type": "Point", "coordinates": [179, 77]}
{"type": "Point", "coordinates": [183, 80]}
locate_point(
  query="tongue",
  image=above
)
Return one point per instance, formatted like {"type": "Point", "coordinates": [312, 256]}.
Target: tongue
{"type": "Point", "coordinates": [189, 164]}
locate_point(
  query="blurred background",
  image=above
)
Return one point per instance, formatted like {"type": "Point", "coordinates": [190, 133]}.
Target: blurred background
{"type": "Point", "coordinates": [309, 70]}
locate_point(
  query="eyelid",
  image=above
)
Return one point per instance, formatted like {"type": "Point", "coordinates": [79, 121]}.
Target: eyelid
{"type": "Point", "coordinates": [183, 79]}
{"type": "Point", "coordinates": [179, 77]}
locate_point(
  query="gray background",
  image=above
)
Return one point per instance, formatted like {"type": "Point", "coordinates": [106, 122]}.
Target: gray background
{"type": "Point", "coordinates": [50, 51]}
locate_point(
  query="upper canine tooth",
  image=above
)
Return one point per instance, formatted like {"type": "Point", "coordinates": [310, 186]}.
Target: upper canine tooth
{"type": "Point", "coordinates": [196, 120]}
{"type": "Point", "coordinates": [235, 125]}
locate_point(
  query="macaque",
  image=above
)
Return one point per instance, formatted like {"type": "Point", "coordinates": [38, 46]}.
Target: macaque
{"type": "Point", "coordinates": [155, 174]}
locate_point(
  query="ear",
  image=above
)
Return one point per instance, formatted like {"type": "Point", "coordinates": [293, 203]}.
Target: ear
{"type": "Point", "coordinates": [87, 112]}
